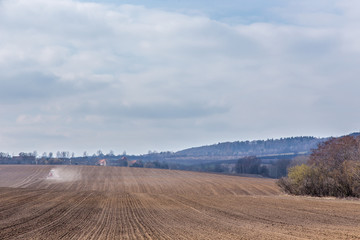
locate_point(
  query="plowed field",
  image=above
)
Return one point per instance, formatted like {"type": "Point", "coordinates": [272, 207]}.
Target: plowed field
{"type": "Point", "coordinates": [83, 202]}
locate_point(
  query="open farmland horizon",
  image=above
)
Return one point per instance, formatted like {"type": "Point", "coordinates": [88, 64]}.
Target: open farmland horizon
{"type": "Point", "coordinates": [116, 115]}
{"type": "Point", "coordinates": [259, 147]}
{"type": "Point", "coordinates": [273, 156]}
{"type": "Point", "coordinates": [88, 202]}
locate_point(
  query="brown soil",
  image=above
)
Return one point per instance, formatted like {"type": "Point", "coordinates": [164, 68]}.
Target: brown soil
{"type": "Point", "coordinates": [86, 202]}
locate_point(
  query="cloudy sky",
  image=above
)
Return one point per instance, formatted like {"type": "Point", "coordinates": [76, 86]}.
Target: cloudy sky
{"type": "Point", "coordinates": [141, 75]}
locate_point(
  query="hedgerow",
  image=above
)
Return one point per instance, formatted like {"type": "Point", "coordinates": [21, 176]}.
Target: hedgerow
{"type": "Point", "coordinates": [333, 169]}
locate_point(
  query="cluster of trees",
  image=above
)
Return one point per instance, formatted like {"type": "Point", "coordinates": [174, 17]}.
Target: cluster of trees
{"type": "Point", "coordinates": [23, 158]}
{"type": "Point", "coordinates": [150, 164]}
{"type": "Point", "coordinates": [248, 165]}
{"type": "Point", "coordinates": [254, 165]}
{"type": "Point", "coordinates": [333, 169]}
{"type": "Point", "coordinates": [251, 165]}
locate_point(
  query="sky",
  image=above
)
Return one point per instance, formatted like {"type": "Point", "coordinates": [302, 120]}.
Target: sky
{"type": "Point", "coordinates": [161, 75]}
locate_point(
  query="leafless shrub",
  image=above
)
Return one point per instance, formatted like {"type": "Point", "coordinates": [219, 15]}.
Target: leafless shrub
{"type": "Point", "coordinates": [333, 169]}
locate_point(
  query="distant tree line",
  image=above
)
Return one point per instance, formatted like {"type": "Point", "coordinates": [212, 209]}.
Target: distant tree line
{"type": "Point", "coordinates": [67, 158]}
{"type": "Point", "coordinates": [245, 165]}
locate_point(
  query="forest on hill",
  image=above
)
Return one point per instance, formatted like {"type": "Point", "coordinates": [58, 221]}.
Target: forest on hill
{"type": "Point", "coordinates": [257, 147]}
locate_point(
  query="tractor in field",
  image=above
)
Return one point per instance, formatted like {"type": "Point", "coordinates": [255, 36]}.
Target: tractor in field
{"type": "Point", "coordinates": [53, 174]}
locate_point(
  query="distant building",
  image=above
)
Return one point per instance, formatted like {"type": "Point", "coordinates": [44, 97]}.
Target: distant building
{"type": "Point", "coordinates": [101, 162]}
{"type": "Point", "coordinates": [132, 162]}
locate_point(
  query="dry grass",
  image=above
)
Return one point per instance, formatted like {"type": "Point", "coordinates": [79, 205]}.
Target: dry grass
{"type": "Point", "coordinates": [128, 203]}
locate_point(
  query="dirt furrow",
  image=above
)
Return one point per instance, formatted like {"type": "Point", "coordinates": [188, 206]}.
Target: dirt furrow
{"type": "Point", "coordinates": [64, 216]}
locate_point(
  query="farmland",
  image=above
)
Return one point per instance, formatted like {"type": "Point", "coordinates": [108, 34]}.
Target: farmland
{"type": "Point", "coordinates": [88, 202]}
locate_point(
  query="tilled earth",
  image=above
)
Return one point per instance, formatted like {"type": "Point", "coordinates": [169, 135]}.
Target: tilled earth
{"type": "Point", "coordinates": [86, 202]}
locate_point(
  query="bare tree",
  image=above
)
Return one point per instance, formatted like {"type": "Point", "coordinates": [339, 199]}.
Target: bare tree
{"type": "Point", "coordinates": [65, 154]}
{"type": "Point", "coordinates": [99, 153]}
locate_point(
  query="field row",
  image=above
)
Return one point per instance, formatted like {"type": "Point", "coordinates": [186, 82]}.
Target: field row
{"type": "Point", "coordinates": [132, 180]}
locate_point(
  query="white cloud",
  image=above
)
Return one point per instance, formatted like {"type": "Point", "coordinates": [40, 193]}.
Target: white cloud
{"type": "Point", "coordinates": [124, 73]}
